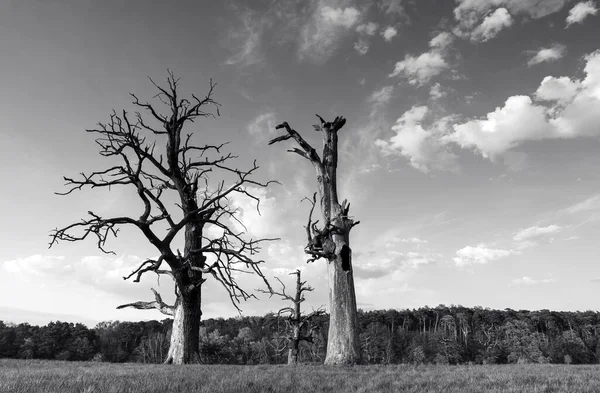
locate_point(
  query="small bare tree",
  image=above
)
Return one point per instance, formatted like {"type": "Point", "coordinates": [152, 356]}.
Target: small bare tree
{"type": "Point", "coordinates": [299, 326]}
{"type": "Point", "coordinates": [332, 241]}
{"type": "Point", "coordinates": [177, 176]}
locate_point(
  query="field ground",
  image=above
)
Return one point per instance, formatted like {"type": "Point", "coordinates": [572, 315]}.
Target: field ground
{"type": "Point", "coordinates": [36, 376]}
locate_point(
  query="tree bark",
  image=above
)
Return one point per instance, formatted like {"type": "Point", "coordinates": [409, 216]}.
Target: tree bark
{"type": "Point", "coordinates": [294, 346]}
{"type": "Point", "coordinates": [185, 334]}
{"type": "Point", "coordinates": [332, 242]}
{"type": "Point", "coordinates": [343, 346]}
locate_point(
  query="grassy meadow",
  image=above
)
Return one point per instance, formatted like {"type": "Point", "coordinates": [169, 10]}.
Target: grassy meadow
{"type": "Point", "coordinates": [33, 376]}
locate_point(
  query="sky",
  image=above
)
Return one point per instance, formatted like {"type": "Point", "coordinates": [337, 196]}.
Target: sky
{"type": "Point", "coordinates": [470, 153]}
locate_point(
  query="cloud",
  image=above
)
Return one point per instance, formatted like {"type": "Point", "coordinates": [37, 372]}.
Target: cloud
{"type": "Point", "coordinates": [414, 240]}
{"type": "Point", "coordinates": [518, 120]}
{"type": "Point", "coordinates": [470, 15]}
{"type": "Point", "coordinates": [581, 11]}
{"type": "Point", "coordinates": [580, 117]}
{"type": "Point", "coordinates": [367, 28]}
{"type": "Point", "coordinates": [321, 35]}
{"type": "Point", "coordinates": [480, 254]}
{"type": "Point", "coordinates": [572, 113]}
{"type": "Point", "coordinates": [361, 47]}
{"type": "Point", "coordinates": [420, 69]}
{"type": "Point", "coordinates": [491, 25]}
{"type": "Point", "coordinates": [262, 125]}
{"type": "Point", "coordinates": [262, 222]}
{"type": "Point", "coordinates": [100, 272]}
{"type": "Point", "coordinates": [381, 97]}
{"type": "Point", "coordinates": [388, 33]}
{"type": "Point", "coordinates": [550, 54]}
{"type": "Point", "coordinates": [423, 147]}
{"type": "Point", "coordinates": [249, 34]}
{"type": "Point", "coordinates": [391, 7]}
{"type": "Point", "coordinates": [364, 30]}
{"type": "Point", "coordinates": [380, 264]}
{"type": "Point", "coordinates": [436, 92]}
{"type": "Point", "coordinates": [561, 90]}
{"type": "Point", "coordinates": [536, 232]}
{"type": "Point", "coordinates": [345, 17]}
{"type": "Point", "coordinates": [530, 281]}
{"type": "Point", "coordinates": [589, 204]}
{"type": "Point", "coordinates": [442, 40]}
{"type": "Point", "coordinates": [560, 108]}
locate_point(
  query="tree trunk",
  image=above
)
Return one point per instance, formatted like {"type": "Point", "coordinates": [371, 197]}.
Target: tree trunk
{"type": "Point", "coordinates": [185, 335]}
{"type": "Point", "coordinates": [343, 346]}
{"type": "Point", "coordinates": [332, 242]}
{"type": "Point", "coordinates": [293, 349]}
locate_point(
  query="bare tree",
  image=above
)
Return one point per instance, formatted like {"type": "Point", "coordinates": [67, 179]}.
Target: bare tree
{"type": "Point", "coordinates": [332, 241]}
{"type": "Point", "coordinates": [299, 325]}
{"type": "Point", "coordinates": [176, 199]}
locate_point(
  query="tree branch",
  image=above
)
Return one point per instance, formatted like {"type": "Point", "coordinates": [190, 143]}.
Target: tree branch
{"type": "Point", "coordinates": [156, 304]}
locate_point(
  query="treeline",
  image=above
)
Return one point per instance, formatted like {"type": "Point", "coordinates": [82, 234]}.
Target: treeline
{"type": "Point", "coordinates": [441, 335]}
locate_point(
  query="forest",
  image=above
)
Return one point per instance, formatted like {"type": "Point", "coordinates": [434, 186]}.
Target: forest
{"type": "Point", "coordinates": [440, 335]}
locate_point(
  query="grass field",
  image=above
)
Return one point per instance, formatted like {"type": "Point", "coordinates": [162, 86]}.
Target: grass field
{"type": "Point", "coordinates": [69, 377]}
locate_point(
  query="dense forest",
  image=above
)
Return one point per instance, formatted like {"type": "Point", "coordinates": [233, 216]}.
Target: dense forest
{"type": "Point", "coordinates": [441, 335]}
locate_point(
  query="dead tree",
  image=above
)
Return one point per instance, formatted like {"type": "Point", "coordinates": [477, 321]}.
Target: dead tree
{"type": "Point", "coordinates": [332, 241]}
{"type": "Point", "coordinates": [299, 325]}
{"type": "Point", "coordinates": [170, 175]}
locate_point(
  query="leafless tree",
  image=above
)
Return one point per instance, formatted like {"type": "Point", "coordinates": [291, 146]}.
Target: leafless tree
{"type": "Point", "coordinates": [332, 241]}
{"type": "Point", "coordinates": [170, 175]}
{"type": "Point", "coordinates": [300, 326]}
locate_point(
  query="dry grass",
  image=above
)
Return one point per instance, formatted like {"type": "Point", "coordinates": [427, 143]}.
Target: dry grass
{"type": "Point", "coordinates": [20, 376]}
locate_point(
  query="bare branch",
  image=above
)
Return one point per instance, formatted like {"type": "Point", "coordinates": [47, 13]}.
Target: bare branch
{"type": "Point", "coordinates": [156, 304]}
{"type": "Point", "coordinates": [309, 151]}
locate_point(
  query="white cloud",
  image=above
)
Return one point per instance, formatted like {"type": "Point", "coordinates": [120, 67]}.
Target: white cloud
{"type": "Point", "coordinates": [345, 17]}
{"type": "Point", "coordinates": [320, 37]}
{"type": "Point", "coordinates": [392, 7]}
{"type": "Point", "coordinates": [250, 34]}
{"type": "Point", "coordinates": [581, 11]}
{"type": "Point", "coordinates": [262, 125]}
{"type": "Point", "coordinates": [534, 8]}
{"type": "Point", "coordinates": [470, 13]}
{"type": "Point", "coordinates": [367, 28]}
{"type": "Point", "coordinates": [37, 265]}
{"type": "Point", "coordinates": [414, 240]}
{"type": "Point", "coordinates": [530, 281]}
{"type": "Point", "coordinates": [491, 25]}
{"type": "Point", "coordinates": [480, 254]}
{"type": "Point", "coordinates": [581, 116]}
{"type": "Point", "coordinates": [420, 69]}
{"type": "Point", "coordinates": [100, 272]}
{"type": "Point", "coordinates": [518, 120]}
{"type": "Point", "coordinates": [589, 204]}
{"type": "Point", "coordinates": [561, 90]}
{"type": "Point", "coordinates": [361, 47]}
{"type": "Point", "coordinates": [536, 232]}
{"type": "Point", "coordinates": [381, 96]}
{"type": "Point", "coordinates": [436, 92]}
{"type": "Point", "coordinates": [442, 40]}
{"type": "Point", "coordinates": [262, 222]}
{"type": "Point", "coordinates": [574, 113]}
{"type": "Point", "coordinates": [378, 264]}
{"type": "Point", "coordinates": [552, 53]}
{"type": "Point", "coordinates": [423, 147]}
{"type": "Point", "coordinates": [564, 108]}
{"type": "Point", "coordinates": [389, 33]}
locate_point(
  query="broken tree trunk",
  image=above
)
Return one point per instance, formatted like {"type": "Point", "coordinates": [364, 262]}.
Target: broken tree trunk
{"type": "Point", "coordinates": [296, 321]}
{"type": "Point", "coordinates": [332, 242]}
